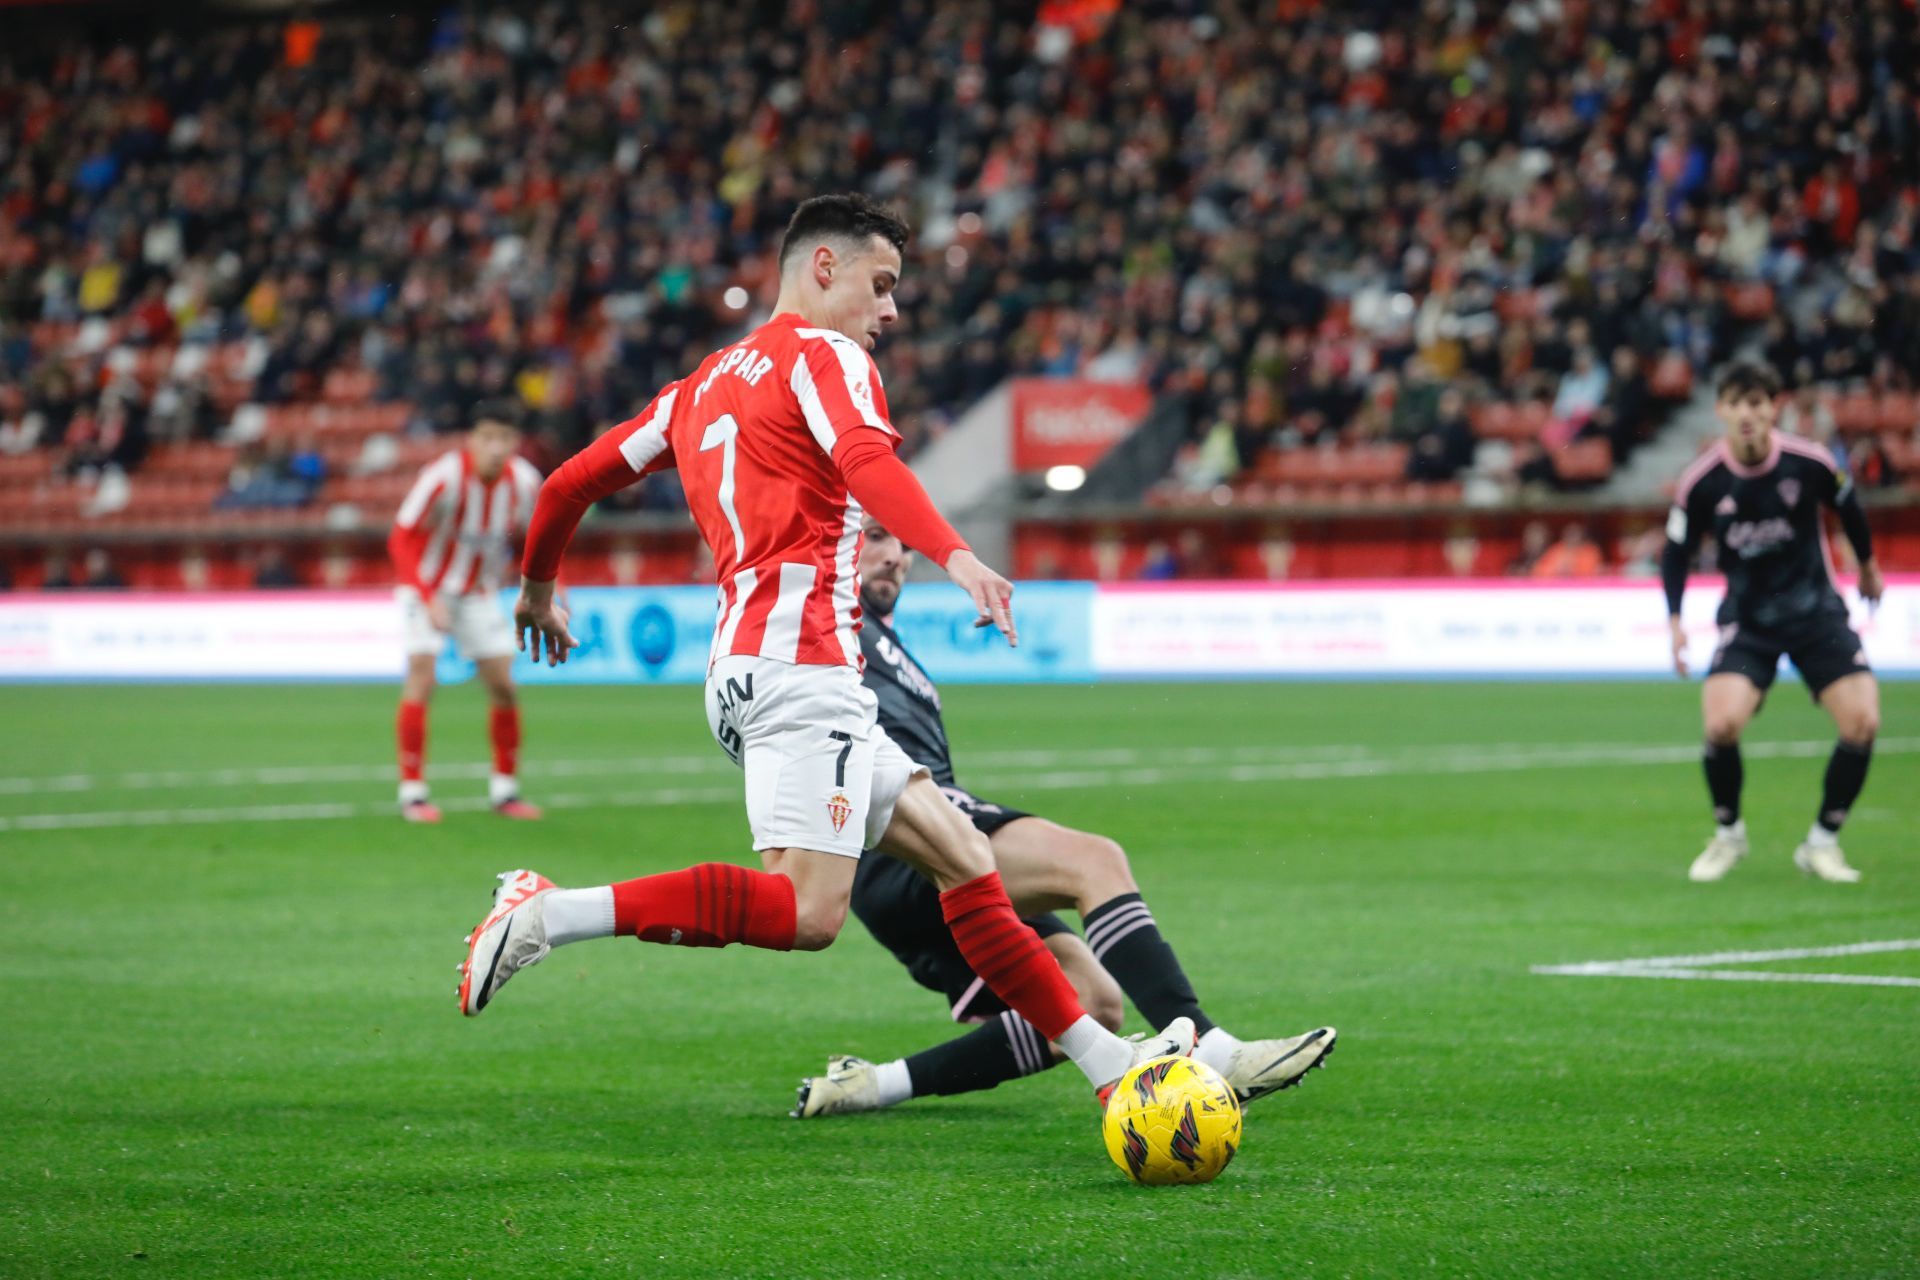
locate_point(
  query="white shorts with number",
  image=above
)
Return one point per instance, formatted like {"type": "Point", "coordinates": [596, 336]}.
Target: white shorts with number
{"type": "Point", "coordinates": [480, 628]}
{"type": "Point", "coordinates": [821, 774]}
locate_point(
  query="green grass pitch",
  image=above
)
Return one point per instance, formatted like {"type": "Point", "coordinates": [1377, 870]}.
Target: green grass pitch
{"type": "Point", "coordinates": [229, 1043]}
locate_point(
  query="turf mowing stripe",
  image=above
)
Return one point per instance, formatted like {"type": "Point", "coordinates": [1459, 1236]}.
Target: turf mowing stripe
{"type": "Point", "coordinates": [1205, 766]}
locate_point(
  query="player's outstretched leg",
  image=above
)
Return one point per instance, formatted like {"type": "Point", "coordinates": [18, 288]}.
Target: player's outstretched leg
{"type": "Point", "coordinates": [1727, 703]}
{"type": "Point", "coordinates": [503, 731]}
{"type": "Point", "coordinates": [1854, 703]}
{"type": "Point", "coordinates": [1048, 866]}
{"type": "Point", "coordinates": [931, 835]}
{"type": "Point", "coordinates": [710, 905]}
{"type": "Point", "coordinates": [410, 740]}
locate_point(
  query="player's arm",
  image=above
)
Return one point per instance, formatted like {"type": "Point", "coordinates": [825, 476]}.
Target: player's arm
{"type": "Point", "coordinates": [845, 410]}
{"type": "Point", "coordinates": [407, 543]}
{"type": "Point", "coordinates": [635, 448]}
{"type": "Point", "coordinates": [1853, 521]}
{"type": "Point", "coordinates": [1684, 525]}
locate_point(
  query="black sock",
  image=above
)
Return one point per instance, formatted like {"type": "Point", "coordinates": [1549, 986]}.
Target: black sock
{"type": "Point", "coordinates": [1846, 774]}
{"type": "Point", "coordinates": [1125, 939]}
{"type": "Point", "coordinates": [1724, 776]}
{"type": "Point", "coordinates": [1004, 1048]}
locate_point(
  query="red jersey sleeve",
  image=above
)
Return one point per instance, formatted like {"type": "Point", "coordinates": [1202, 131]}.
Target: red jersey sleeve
{"type": "Point", "coordinates": [893, 495]}
{"type": "Point", "coordinates": [637, 447]}
{"type": "Point", "coordinates": [407, 540]}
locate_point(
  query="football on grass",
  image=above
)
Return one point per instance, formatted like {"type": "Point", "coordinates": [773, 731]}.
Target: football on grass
{"type": "Point", "coordinates": [1172, 1120]}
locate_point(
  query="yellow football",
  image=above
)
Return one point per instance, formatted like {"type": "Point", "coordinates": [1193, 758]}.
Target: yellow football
{"type": "Point", "coordinates": [1172, 1120]}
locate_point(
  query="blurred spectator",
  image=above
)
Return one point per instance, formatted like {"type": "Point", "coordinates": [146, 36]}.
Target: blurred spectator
{"type": "Point", "coordinates": [272, 571]}
{"type": "Point", "coordinates": [1624, 414]}
{"type": "Point", "coordinates": [1573, 556]}
{"type": "Point", "coordinates": [100, 572]}
{"type": "Point", "coordinates": [270, 474]}
{"type": "Point", "coordinates": [1445, 447]}
{"type": "Point", "coordinates": [1535, 539]}
{"type": "Point", "coordinates": [56, 574]}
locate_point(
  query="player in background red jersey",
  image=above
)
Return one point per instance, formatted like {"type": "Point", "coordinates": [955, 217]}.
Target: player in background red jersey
{"type": "Point", "coordinates": [782, 440]}
{"type": "Point", "coordinates": [451, 542]}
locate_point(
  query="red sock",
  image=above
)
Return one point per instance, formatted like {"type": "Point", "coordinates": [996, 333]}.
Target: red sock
{"type": "Point", "coordinates": [504, 727]}
{"type": "Point", "coordinates": [410, 728]}
{"type": "Point", "coordinates": [1009, 956]}
{"type": "Point", "coordinates": [710, 905]}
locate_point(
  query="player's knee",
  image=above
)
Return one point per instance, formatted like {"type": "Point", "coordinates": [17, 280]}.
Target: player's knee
{"type": "Point", "coordinates": [1861, 725]}
{"type": "Point", "coordinates": [970, 856]}
{"type": "Point", "coordinates": [1724, 730]}
{"type": "Point", "coordinates": [817, 924]}
{"type": "Point", "coordinates": [1105, 865]}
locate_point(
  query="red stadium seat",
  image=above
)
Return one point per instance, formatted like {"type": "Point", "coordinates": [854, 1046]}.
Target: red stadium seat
{"type": "Point", "coordinates": [1583, 462]}
{"type": "Point", "coordinates": [1750, 300]}
{"type": "Point", "coordinates": [1672, 377]}
{"type": "Point", "coordinates": [1899, 411]}
{"type": "Point", "coordinates": [1856, 414]}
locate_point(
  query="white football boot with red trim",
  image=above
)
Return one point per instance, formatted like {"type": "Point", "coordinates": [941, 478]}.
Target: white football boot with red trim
{"type": "Point", "coordinates": [1176, 1041]}
{"type": "Point", "coordinates": [513, 936]}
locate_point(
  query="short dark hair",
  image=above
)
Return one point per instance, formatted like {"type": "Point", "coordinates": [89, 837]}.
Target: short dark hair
{"type": "Point", "coordinates": [1744, 378]}
{"type": "Point", "coordinates": [843, 217]}
{"type": "Point", "coordinates": [499, 409]}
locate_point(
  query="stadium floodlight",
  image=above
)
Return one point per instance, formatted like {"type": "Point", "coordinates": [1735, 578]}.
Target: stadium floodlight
{"type": "Point", "coordinates": [1065, 479]}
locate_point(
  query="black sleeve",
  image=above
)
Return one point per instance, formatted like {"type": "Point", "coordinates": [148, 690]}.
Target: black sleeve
{"type": "Point", "coordinates": [1683, 539]}
{"type": "Point", "coordinates": [1853, 518]}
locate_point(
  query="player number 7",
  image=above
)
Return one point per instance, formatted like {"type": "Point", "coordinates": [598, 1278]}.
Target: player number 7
{"type": "Point", "coordinates": [720, 434]}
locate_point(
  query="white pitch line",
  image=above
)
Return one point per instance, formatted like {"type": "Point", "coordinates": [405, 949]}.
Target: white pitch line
{"type": "Point", "coordinates": [1704, 968]}
{"type": "Point", "coordinates": [1205, 767]}
{"type": "Point", "coordinates": [1761, 975]}
{"type": "Point", "coordinates": [634, 766]}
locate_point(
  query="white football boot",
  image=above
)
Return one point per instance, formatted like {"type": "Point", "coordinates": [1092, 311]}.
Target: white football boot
{"type": "Point", "coordinates": [1261, 1067]}
{"type": "Point", "coordinates": [513, 936]}
{"type": "Point", "coordinates": [1175, 1041]}
{"type": "Point", "coordinates": [1823, 860]}
{"type": "Point", "coordinates": [1728, 846]}
{"type": "Point", "coordinates": [850, 1085]}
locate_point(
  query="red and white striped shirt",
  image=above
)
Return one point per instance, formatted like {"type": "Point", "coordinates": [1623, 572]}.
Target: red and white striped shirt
{"type": "Point", "coordinates": [779, 440]}
{"type": "Point", "coordinates": [453, 533]}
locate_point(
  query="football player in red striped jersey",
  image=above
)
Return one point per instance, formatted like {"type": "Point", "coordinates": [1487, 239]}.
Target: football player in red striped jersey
{"type": "Point", "coordinates": [782, 440]}
{"type": "Point", "coordinates": [451, 542]}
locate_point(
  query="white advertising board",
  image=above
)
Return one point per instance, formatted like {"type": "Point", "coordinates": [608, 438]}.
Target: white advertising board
{"type": "Point", "coordinates": [1488, 629]}
{"type": "Point", "coordinates": [172, 636]}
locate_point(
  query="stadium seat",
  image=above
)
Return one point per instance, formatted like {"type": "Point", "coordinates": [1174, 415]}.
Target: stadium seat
{"type": "Point", "coordinates": [1899, 411]}
{"type": "Point", "coordinates": [1856, 414]}
{"type": "Point", "coordinates": [1583, 462]}
{"type": "Point", "coordinates": [1749, 300]}
{"type": "Point", "coordinates": [1672, 377]}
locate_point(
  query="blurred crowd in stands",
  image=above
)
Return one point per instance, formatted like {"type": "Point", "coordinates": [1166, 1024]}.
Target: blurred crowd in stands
{"type": "Point", "coordinates": [1419, 225]}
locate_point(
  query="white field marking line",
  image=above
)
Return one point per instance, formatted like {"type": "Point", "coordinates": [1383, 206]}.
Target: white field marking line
{"type": "Point", "coordinates": [298, 775]}
{"type": "Point", "coordinates": [1202, 770]}
{"type": "Point", "coordinates": [1344, 761]}
{"type": "Point", "coordinates": [1700, 968]}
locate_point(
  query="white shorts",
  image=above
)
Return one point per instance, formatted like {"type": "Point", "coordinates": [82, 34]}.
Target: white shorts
{"type": "Point", "coordinates": [821, 774]}
{"type": "Point", "coordinates": [480, 628]}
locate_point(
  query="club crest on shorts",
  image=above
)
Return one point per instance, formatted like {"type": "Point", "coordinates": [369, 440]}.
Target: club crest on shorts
{"type": "Point", "coordinates": [839, 808]}
{"type": "Point", "coordinates": [1789, 491]}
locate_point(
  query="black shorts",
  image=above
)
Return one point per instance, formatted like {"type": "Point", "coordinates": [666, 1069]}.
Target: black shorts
{"type": "Point", "coordinates": [901, 909]}
{"type": "Point", "coordinates": [986, 816]}
{"type": "Point", "coordinates": [1823, 648]}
